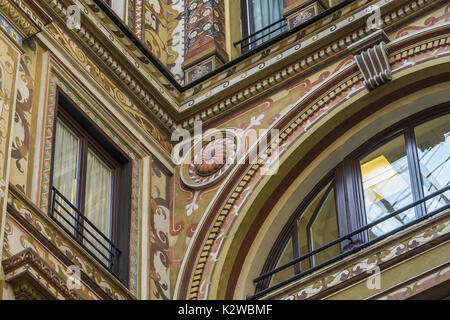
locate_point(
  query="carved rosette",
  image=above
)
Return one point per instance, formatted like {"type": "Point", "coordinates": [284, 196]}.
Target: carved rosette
{"type": "Point", "coordinates": [211, 159]}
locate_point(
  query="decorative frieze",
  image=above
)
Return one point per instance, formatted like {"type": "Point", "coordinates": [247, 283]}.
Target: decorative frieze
{"type": "Point", "coordinates": [26, 17]}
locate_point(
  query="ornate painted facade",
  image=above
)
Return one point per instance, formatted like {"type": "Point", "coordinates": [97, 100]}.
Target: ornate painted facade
{"type": "Point", "coordinates": [219, 148]}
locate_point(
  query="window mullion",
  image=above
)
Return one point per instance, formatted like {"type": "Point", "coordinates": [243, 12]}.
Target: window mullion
{"type": "Point", "coordinates": [354, 198]}
{"type": "Point", "coordinates": [296, 248]}
{"type": "Point", "coordinates": [82, 182]}
{"type": "Point", "coordinates": [413, 163]}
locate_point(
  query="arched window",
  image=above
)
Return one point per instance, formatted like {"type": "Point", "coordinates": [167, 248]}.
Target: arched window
{"type": "Point", "coordinates": [397, 168]}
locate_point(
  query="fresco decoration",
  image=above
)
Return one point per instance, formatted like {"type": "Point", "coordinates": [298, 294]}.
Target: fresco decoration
{"type": "Point", "coordinates": [163, 32]}
{"type": "Point", "coordinates": [9, 68]}
{"type": "Point", "coordinates": [176, 39]}
{"type": "Point", "coordinates": [438, 17]}
{"type": "Point", "coordinates": [24, 21]}
{"type": "Point", "coordinates": [138, 10]}
{"type": "Point", "coordinates": [124, 101]}
{"type": "Point", "coordinates": [9, 29]}
{"type": "Point", "coordinates": [419, 285]}
{"type": "Point", "coordinates": [289, 47]}
{"type": "Point", "coordinates": [21, 144]}
{"type": "Point", "coordinates": [17, 239]}
{"type": "Point", "coordinates": [155, 28]}
{"type": "Point", "coordinates": [32, 277]}
{"type": "Point", "coordinates": [56, 82]}
{"type": "Point", "coordinates": [205, 26]}
{"type": "Point", "coordinates": [127, 49]}
{"type": "Point", "coordinates": [160, 212]}
{"type": "Point", "coordinates": [296, 128]}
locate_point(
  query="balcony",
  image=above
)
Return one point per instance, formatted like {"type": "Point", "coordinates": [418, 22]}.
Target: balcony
{"type": "Point", "coordinates": [74, 223]}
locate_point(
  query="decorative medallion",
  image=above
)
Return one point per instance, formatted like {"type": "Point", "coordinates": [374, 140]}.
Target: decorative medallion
{"type": "Point", "coordinates": [211, 159]}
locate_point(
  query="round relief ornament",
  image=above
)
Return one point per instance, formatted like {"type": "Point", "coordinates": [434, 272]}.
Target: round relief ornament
{"type": "Point", "coordinates": [210, 159]}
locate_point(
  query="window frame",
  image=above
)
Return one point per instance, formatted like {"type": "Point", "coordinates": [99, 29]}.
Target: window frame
{"type": "Point", "coordinates": [329, 189]}
{"type": "Point", "coordinates": [248, 26]}
{"type": "Point", "coordinates": [88, 142]}
{"type": "Point", "coordinates": [126, 8]}
{"type": "Point", "coordinates": [70, 114]}
{"type": "Point", "coordinates": [347, 180]}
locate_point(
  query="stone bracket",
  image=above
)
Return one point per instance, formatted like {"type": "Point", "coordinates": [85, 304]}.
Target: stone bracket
{"type": "Point", "coordinates": [371, 56]}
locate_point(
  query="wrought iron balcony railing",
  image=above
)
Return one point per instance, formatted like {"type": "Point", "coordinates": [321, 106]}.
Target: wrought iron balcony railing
{"type": "Point", "coordinates": [72, 221]}
{"type": "Point", "coordinates": [262, 35]}
{"type": "Point", "coordinates": [267, 276]}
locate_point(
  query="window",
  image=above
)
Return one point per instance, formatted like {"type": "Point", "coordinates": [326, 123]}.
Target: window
{"type": "Point", "coordinates": [91, 193]}
{"type": "Point", "coordinates": [261, 21]}
{"type": "Point", "coordinates": [387, 185]}
{"type": "Point", "coordinates": [400, 167]}
{"type": "Point", "coordinates": [119, 7]}
{"type": "Point", "coordinates": [323, 227]}
{"type": "Point", "coordinates": [433, 148]}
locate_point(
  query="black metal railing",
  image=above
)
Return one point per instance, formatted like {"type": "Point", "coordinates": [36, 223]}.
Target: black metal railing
{"type": "Point", "coordinates": [67, 216]}
{"type": "Point", "coordinates": [353, 250]}
{"type": "Point", "coordinates": [250, 42]}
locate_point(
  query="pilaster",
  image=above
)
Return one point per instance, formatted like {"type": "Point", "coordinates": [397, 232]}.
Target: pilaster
{"type": "Point", "coordinates": [205, 47]}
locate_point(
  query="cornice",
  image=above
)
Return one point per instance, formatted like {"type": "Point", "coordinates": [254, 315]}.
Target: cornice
{"type": "Point", "coordinates": [161, 87]}
{"type": "Point", "coordinates": [292, 57]}
{"type": "Point", "coordinates": [19, 272]}
{"type": "Point", "coordinates": [129, 78]}
{"type": "Point", "coordinates": [18, 19]}
{"type": "Point", "coordinates": [25, 16]}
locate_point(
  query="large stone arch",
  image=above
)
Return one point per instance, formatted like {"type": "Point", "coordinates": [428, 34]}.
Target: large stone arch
{"type": "Point", "coordinates": [230, 249]}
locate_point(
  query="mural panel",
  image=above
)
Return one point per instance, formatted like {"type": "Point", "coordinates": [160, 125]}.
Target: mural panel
{"type": "Point", "coordinates": [9, 65]}
{"type": "Point", "coordinates": [161, 212]}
